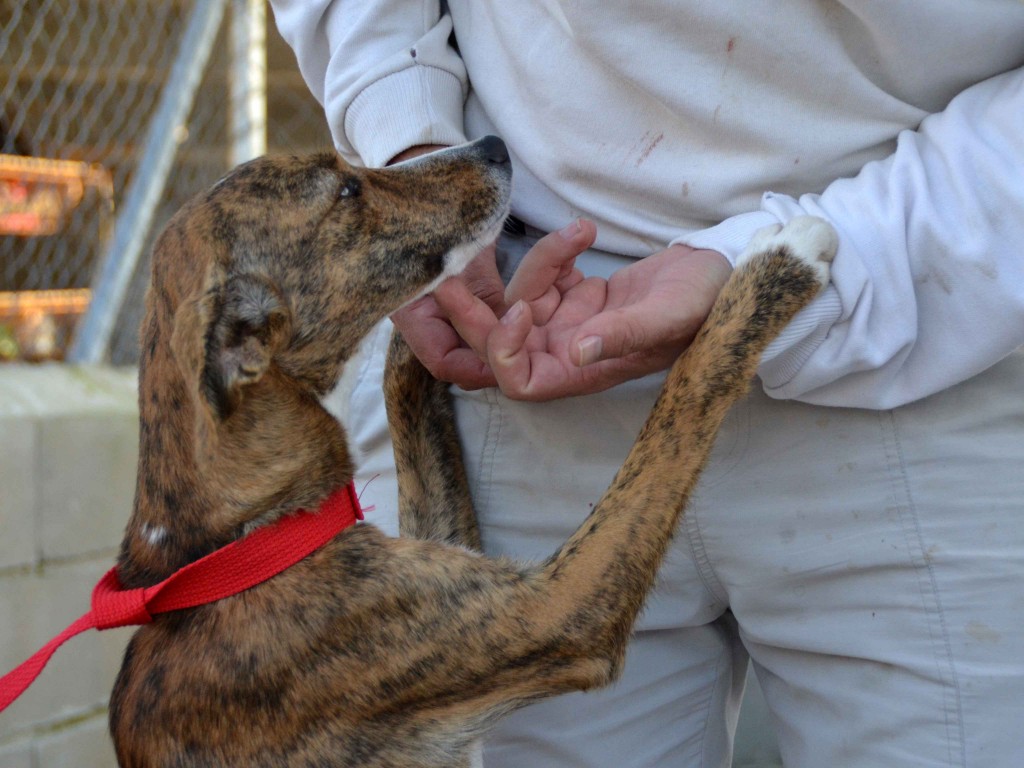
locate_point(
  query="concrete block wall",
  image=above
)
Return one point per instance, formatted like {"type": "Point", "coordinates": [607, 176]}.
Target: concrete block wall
{"type": "Point", "coordinates": [68, 446]}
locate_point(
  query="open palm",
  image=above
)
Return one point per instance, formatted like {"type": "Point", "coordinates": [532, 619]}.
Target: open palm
{"type": "Point", "coordinates": [589, 334]}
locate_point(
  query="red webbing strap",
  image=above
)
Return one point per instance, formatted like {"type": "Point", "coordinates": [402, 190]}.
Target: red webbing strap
{"type": "Point", "coordinates": [234, 568]}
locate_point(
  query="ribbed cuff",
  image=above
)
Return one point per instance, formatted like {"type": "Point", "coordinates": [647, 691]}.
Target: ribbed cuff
{"type": "Point", "coordinates": [418, 105]}
{"type": "Point", "coordinates": [792, 348]}
{"type": "Point", "coordinates": [788, 353]}
{"type": "Point", "coordinates": [731, 236]}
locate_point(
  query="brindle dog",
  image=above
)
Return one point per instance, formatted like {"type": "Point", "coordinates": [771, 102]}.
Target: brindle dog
{"type": "Point", "coordinates": [376, 651]}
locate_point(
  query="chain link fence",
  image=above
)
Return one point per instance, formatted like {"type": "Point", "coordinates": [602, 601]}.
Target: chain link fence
{"type": "Point", "coordinates": [80, 86]}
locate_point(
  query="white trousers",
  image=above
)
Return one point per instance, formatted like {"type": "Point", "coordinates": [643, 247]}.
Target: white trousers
{"type": "Point", "coordinates": [870, 564]}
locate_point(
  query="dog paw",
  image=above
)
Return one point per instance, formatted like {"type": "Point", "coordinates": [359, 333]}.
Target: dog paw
{"type": "Point", "coordinates": [809, 239]}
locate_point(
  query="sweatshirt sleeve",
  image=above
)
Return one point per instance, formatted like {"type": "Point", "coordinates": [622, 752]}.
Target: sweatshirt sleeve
{"type": "Point", "coordinates": [927, 289]}
{"type": "Point", "coordinates": [383, 70]}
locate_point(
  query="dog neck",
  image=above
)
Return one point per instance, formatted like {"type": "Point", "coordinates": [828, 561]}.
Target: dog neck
{"type": "Point", "coordinates": [279, 451]}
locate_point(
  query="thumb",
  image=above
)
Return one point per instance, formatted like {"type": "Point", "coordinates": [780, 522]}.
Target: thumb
{"type": "Point", "coordinates": [619, 333]}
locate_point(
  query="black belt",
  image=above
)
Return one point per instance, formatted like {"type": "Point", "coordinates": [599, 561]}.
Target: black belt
{"type": "Point", "coordinates": [514, 226]}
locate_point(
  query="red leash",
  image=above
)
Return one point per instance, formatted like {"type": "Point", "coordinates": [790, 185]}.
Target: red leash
{"type": "Point", "coordinates": [229, 570]}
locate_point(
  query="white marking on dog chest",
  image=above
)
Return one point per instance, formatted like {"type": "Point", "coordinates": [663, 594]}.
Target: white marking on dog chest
{"type": "Point", "coordinates": [153, 534]}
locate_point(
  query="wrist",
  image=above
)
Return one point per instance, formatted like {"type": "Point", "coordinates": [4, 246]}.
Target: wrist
{"type": "Point", "coordinates": [714, 266]}
{"type": "Point", "coordinates": [731, 236]}
{"type": "Point", "coordinates": [415, 151]}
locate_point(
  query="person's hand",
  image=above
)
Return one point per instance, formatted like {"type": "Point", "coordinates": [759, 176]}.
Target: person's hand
{"type": "Point", "coordinates": [587, 335]}
{"type": "Point", "coordinates": [448, 330]}
{"type": "Point", "coordinates": [560, 334]}
{"type": "Point", "coordinates": [565, 335]}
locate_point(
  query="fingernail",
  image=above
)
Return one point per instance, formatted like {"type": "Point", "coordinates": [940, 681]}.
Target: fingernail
{"type": "Point", "coordinates": [590, 350]}
{"type": "Point", "coordinates": [514, 313]}
{"type": "Point", "coordinates": [569, 232]}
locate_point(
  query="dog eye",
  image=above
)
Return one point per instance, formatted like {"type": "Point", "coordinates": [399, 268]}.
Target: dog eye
{"type": "Point", "coordinates": [349, 189]}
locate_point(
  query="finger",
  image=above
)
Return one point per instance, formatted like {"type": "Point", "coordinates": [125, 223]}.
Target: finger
{"type": "Point", "coordinates": [464, 368]}
{"type": "Point", "coordinates": [525, 370]}
{"type": "Point", "coordinates": [550, 261]}
{"type": "Point", "coordinates": [436, 344]}
{"type": "Point", "coordinates": [426, 330]}
{"type": "Point", "coordinates": [506, 349]}
{"type": "Point", "coordinates": [484, 281]}
{"type": "Point", "coordinates": [457, 365]}
{"type": "Point", "coordinates": [525, 373]}
{"type": "Point", "coordinates": [470, 317]}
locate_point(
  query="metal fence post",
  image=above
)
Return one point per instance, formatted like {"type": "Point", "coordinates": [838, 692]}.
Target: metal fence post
{"type": "Point", "coordinates": [248, 80]}
{"type": "Point", "coordinates": [147, 183]}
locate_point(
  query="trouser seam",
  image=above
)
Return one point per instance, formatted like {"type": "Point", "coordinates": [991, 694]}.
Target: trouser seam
{"type": "Point", "coordinates": [705, 570]}
{"type": "Point", "coordinates": [725, 654]}
{"type": "Point", "coordinates": [488, 450]}
{"type": "Point", "coordinates": [926, 573]}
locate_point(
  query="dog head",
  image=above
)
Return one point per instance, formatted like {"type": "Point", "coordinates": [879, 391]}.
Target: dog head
{"type": "Point", "coordinates": [261, 288]}
{"type": "Point", "coordinates": [288, 262]}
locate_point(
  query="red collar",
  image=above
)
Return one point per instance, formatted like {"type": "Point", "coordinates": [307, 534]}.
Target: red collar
{"type": "Point", "coordinates": [227, 571]}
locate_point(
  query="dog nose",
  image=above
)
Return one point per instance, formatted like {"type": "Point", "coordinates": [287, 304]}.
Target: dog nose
{"type": "Point", "coordinates": [494, 150]}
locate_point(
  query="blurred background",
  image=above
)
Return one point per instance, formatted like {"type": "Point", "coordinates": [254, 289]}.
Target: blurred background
{"type": "Point", "coordinates": [94, 94]}
{"type": "Point", "coordinates": [112, 114]}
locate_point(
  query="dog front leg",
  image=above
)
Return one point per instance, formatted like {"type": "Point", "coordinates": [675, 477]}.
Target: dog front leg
{"type": "Point", "coordinates": [433, 492]}
{"type": "Point", "coordinates": [596, 584]}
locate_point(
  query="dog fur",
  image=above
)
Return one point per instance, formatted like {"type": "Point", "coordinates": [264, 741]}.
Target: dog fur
{"type": "Point", "coordinates": [376, 651]}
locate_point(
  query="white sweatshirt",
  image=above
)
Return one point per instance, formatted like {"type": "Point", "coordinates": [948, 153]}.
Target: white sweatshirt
{"type": "Point", "coordinates": [701, 121]}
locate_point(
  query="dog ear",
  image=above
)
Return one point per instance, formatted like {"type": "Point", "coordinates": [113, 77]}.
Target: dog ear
{"type": "Point", "coordinates": [225, 339]}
